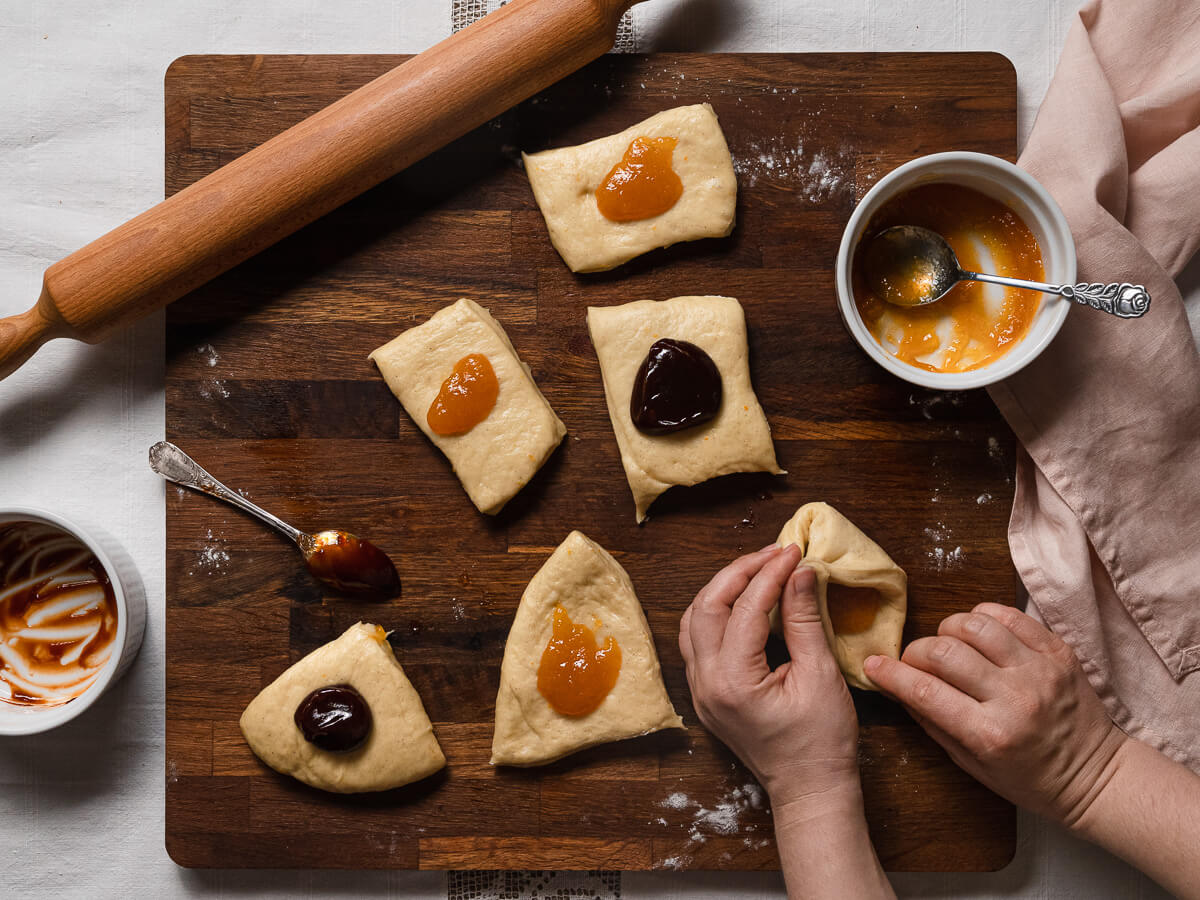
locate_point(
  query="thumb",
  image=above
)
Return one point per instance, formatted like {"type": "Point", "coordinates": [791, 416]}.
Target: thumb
{"type": "Point", "coordinates": [800, 618]}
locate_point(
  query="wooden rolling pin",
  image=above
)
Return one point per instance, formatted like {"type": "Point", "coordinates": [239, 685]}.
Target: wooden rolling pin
{"type": "Point", "coordinates": [312, 168]}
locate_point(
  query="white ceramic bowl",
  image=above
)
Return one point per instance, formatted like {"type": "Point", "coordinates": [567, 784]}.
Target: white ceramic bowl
{"type": "Point", "coordinates": [1001, 181]}
{"type": "Point", "coordinates": [131, 624]}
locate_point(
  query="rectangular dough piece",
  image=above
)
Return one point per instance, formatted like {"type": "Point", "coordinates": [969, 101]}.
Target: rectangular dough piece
{"type": "Point", "coordinates": [737, 440]}
{"type": "Point", "coordinates": [564, 183]}
{"type": "Point", "coordinates": [499, 456]}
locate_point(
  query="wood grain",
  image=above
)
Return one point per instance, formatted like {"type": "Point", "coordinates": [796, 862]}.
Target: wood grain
{"type": "Point", "coordinates": [268, 385]}
{"type": "Point", "coordinates": [327, 155]}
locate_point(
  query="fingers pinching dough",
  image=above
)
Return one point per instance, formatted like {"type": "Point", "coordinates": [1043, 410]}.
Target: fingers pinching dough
{"type": "Point", "coordinates": [864, 612]}
{"type": "Point", "coordinates": [497, 456]}
{"type": "Point", "coordinates": [565, 181]}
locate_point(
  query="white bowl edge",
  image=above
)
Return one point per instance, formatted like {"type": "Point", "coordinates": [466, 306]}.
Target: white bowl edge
{"type": "Point", "coordinates": [1002, 181]}
{"type": "Point", "coordinates": [131, 623]}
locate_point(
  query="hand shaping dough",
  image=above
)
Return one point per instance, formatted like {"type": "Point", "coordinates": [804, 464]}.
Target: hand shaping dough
{"type": "Point", "coordinates": [737, 440]}
{"type": "Point", "coordinates": [564, 183]}
{"type": "Point", "coordinates": [589, 584]}
{"type": "Point", "coordinates": [401, 747]}
{"type": "Point", "coordinates": [497, 457]}
{"type": "Point", "coordinates": [841, 554]}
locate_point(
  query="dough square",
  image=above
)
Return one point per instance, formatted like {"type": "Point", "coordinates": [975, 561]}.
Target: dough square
{"type": "Point", "coordinates": [590, 585]}
{"type": "Point", "coordinates": [839, 553]}
{"type": "Point", "coordinates": [401, 747]}
{"type": "Point", "coordinates": [499, 456]}
{"type": "Point", "coordinates": [737, 440]}
{"type": "Point", "coordinates": [564, 183]}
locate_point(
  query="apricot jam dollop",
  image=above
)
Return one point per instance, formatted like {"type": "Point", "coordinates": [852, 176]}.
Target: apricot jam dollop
{"type": "Point", "coordinates": [852, 610]}
{"type": "Point", "coordinates": [466, 397]}
{"type": "Point", "coordinates": [643, 184]}
{"type": "Point", "coordinates": [576, 673]}
{"type": "Point", "coordinates": [974, 324]}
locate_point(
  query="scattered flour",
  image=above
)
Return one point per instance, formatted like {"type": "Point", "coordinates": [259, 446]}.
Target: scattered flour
{"type": "Point", "coordinates": [816, 177]}
{"type": "Point", "coordinates": [931, 402]}
{"type": "Point", "coordinates": [983, 498]}
{"type": "Point", "coordinates": [725, 817]}
{"type": "Point", "coordinates": [213, 557]}
{"type": "Point", "coordinates": [676, 862]}
{"type": "Point", "coordinates": [942, 555]}
{"type": "Point", "coordinates": [216, 388]}
{"type": "Point", "coordinates": [677, 800]}
{"type": "Point", "coordinates": [209, 354]}
{"type": "Point", "coordinates": [996, 452]}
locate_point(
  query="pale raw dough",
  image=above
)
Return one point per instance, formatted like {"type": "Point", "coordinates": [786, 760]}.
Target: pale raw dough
{"type": "Point", "coordinates": [401, 747]}
{"type": "Point", "coordinates": [564, 183]}
{"type": "Point", "coordinates": [497, 457]}
{"type": "Point", "coordinates": [737, 440]}
{"type": "Point", "coordinates": [588, 583]}
{"type": "Point", "coordinates": [838, 552]}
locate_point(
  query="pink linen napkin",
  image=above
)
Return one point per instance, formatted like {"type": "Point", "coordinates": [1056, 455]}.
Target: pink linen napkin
{"type": "Point", "coordinates": [1105, 529]}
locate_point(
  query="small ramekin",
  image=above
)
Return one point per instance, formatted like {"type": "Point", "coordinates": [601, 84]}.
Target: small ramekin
{"type": "Point", "coordinates": [131, 624]}
{"type": "Point", "coordinates": [1017, 190]}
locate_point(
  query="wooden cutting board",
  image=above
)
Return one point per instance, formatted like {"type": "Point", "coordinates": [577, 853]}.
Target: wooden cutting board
{"type": "Point", "coordinates": [269, 386]}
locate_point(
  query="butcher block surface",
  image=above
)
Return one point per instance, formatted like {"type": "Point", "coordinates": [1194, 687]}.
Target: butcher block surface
{"type": "Point", "coordinates": [269, 386]}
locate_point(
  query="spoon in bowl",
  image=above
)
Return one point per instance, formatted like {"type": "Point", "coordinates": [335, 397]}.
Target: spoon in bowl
{"type": "Point", "coordinates": [911, 266]}
{"type": "Point", "coordinates": [337, 558]}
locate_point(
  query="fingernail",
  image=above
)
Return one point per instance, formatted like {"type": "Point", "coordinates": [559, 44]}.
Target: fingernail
{"type": "Point", "coordinates": [871, 663]}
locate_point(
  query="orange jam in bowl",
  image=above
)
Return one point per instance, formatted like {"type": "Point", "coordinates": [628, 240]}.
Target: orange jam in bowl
{"type": "Point", "coordinates": [974, 324]}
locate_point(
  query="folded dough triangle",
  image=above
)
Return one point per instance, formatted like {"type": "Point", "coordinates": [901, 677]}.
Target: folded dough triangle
{"type": "Point", "coordinates": [582, 578]}
{"type": "Point", "coordinates": [841, 554]}
{"type": "Point", "coordinates": [401, 747]}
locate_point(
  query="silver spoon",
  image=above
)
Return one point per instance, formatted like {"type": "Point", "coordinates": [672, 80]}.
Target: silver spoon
{"type": "Point", "coordinates": [911, 266]}
{"type": "Point", "coordinates": [337, 558]}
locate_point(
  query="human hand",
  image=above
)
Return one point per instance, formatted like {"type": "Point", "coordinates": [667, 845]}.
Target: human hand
{"type": "Point", "coordinates": [794, 727]}
{"type": "Point", "coordinates": [1007, 699]}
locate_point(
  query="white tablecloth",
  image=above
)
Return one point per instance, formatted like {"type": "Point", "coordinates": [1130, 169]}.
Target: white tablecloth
{"type": "Point", "coordinates": [81, 150]}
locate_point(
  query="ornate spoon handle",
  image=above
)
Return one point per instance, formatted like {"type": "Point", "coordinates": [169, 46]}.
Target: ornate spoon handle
{"type": "Point", "coordinates": [1124, 300]}
{"type": "Point", "coordinates": [1128, 301]}
{"type": "Point", "coordinates": [174, 465]}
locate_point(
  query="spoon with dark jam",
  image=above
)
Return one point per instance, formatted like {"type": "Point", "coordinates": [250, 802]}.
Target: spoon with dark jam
{"type": "Point", "coordinates": [346, 563]}
{"type": "Point", "coordinates": [677, 386]}
{"type": "Point", "coordinates": [334, 718]}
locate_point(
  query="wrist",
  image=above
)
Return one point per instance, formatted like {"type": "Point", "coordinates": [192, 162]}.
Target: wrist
{"type": "Point", "coordinates": [803, 800]}
{"type": "Point", "coordinates": [1102, 769]}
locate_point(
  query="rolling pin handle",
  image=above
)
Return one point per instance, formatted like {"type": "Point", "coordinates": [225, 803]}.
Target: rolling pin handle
{"type": "Point", "coordinates": [21, 335]}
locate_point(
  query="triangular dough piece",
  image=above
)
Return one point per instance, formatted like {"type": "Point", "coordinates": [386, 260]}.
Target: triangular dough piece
{"type": "Point", "coordinates": [401, 747]}
{"type": "Point", "coordinates": [589, 584]}
{"type": "Point", "coordinates": [839, 553]}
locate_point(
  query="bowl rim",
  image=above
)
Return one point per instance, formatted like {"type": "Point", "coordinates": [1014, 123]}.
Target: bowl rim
{"type": "Point", "coordinates": [35, 720]}
{"type": "Point", "coordinates": [1003, 172]}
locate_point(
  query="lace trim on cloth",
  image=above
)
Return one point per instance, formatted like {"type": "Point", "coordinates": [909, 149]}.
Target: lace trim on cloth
{"type": "Point", "coordinates": [480, 885]}
{"type": "Point", "coordinates": [464, 12]}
